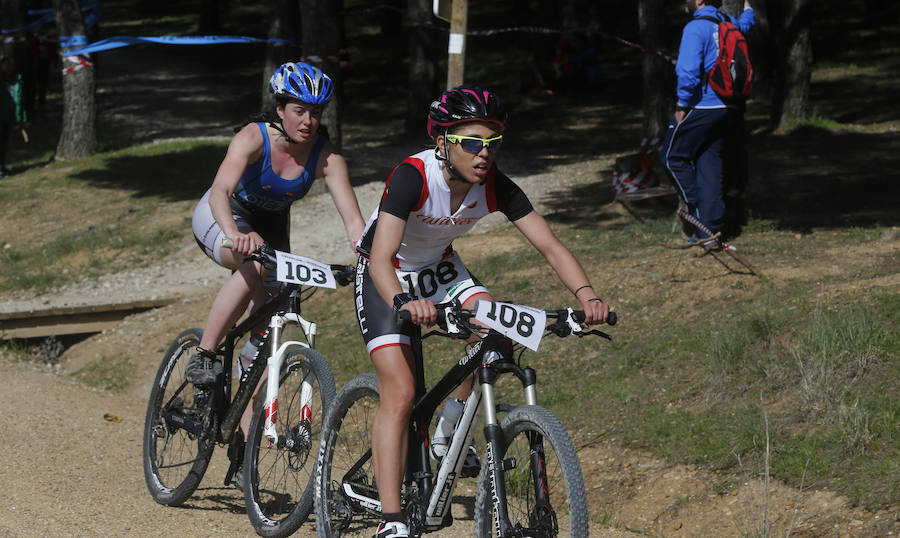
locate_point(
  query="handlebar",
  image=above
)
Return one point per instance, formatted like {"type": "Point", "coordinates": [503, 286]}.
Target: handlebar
{"type": "Point", "coordinates": [265, 255]}
{"type": "Point", "coordinates": [461, 316]}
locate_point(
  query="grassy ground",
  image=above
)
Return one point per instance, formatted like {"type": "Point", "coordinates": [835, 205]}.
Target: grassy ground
{"type": "Point", "coordinates": [706, 365]}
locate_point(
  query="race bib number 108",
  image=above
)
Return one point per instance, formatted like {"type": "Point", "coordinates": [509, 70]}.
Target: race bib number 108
{"type": "Point", "coordinates": [523, 324]}
{"type": "Point", "coordinates": [294, 269]}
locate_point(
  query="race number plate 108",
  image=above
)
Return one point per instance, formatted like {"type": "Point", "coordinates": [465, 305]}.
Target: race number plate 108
{"type": "Point", "coordinates": [523, 324]}
{"type": "Point", "coordinates": [295, 269]}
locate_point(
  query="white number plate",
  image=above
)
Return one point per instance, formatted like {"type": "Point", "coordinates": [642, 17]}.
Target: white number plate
{"type": "Point", "coordinates": [523, 324]}
{"type": "Point", "coordinates": [294, 269]}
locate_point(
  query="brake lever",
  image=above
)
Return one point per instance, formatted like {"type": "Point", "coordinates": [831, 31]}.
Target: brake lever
{"type": "Point", "coordinates": [596, 332]}
{"type": "Point", "coordinates": [574, 326]}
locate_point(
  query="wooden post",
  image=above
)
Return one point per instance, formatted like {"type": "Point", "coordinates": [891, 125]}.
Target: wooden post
{"type": "Point", "coordinates": [456, 48]}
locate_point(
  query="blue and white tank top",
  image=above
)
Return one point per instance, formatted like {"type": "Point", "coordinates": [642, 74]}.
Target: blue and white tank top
{"type": "Point", "coordinates": [261, 188]}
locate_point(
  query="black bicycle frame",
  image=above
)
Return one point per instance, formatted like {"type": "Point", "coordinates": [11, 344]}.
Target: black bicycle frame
{"type": "Point", "coordinates": [229, 410]}
{"type": "Point", "coordinates": [418, 466]}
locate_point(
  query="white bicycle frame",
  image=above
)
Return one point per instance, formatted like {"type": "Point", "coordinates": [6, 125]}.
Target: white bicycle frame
{"type": "Point", "coordinates": [276, 359]}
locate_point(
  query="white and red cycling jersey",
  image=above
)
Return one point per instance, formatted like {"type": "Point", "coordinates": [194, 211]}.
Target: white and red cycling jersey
{"type": "Point", "coordinates": [417, 193]}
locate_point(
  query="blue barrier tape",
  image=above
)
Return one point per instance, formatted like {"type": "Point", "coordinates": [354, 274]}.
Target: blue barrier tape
{"type": "Point", "coordinates": [124, 41]}
{"type": "Point", "coordinates": [91, 10]}
{"type": "Point", "coordinates": [43, 19]}
{"type": "Point", "coordinates": [73, 40]}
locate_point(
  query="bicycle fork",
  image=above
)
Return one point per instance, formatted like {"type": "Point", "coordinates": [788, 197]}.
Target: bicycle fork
{"type": "Point", "coordinates": [274, 364]}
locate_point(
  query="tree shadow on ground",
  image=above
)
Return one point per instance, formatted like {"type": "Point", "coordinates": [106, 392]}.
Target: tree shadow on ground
{"type": "Point", "coordinates": [177, 174]}
{"type": "Point", "coordinates": [823, 179]}
{"type": "Point", "coordinates": [809, 178]}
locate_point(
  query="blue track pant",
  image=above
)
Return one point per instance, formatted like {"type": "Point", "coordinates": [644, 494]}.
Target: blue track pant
{"type": "Point", "coordinates": [692, 155]}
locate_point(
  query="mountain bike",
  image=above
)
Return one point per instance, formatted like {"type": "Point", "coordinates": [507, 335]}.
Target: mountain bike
{"type": "Point", "coordinates": [184, 423]}
{"type": "Point", "coordinates": [530, 482]}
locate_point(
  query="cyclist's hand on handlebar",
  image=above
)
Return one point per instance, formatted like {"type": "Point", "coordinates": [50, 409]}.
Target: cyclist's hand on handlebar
{"type": "Point", "coordinates": [245, 243]}
{"type": "Point", "coordinates": [595, 311]}
{"type": "Point", "coordinates": [422, 312]}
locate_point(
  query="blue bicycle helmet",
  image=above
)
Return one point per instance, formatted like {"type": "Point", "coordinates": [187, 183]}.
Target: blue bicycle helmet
{"type": "Point", "coordinates": [303, 82]}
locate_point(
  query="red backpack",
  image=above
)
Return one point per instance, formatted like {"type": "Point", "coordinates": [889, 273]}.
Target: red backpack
{"type": "Point", "coordinates": [732, 75]}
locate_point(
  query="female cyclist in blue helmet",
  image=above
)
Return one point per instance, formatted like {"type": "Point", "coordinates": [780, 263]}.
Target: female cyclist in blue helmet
{"type": "Point", "coordinates": [430, 199]}
{"type": "Point", "coordinates": [268, 166]}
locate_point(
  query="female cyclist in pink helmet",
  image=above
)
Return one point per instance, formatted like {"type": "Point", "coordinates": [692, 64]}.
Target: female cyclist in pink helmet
{"type": "Point", "coordinates": [430, 199]}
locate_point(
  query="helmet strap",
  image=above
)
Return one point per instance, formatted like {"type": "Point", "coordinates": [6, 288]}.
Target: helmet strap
{"type": "Point", "coordinates": [278, 127]}
{"type": "Point", "coordinates": [454, 175]}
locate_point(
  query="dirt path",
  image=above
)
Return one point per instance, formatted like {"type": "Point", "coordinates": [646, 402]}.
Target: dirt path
{"type": "Point", "coordinates": [70, 471]}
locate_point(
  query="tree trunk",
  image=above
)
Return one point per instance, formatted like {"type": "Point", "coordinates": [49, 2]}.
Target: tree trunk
{"type": "Point", "coordinates": [323, 38]}
{"type": "Point", "coordinates": [793, 67]}
{"type": "Point", "coordinates": [423, 84]}
{"type": "Point", "coordinates": [79, 134]}
{"type": "Point", "coordinates": [209, 19]}
{"type": "Point", "coordinates": [285, 25]}
{"type": "Point", "coordinates": [658, 73]}
{"type": "Point", "coordinates": [13, 15]}
{"type": "Point", "coordinates": [392, 17]}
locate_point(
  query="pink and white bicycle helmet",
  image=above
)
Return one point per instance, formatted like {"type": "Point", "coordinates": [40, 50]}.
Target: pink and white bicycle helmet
{"type": "Point", "coordinates": [464, 104]}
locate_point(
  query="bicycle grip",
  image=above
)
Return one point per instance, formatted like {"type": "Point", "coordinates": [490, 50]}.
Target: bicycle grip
{"type": "Point", "coordinates": [405, 322]}
{"type": "Point", "coordinates": [227, 243]}
{"type": "Point", "coordinates": [611, 319]}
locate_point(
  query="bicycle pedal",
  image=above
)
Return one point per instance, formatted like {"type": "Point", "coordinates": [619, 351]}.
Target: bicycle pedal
{"type": "Point", "coordinates": [469, 472]}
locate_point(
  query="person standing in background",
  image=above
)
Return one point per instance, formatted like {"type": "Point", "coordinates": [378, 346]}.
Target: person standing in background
{"type": "Point", "coordinates": [694, 145]}
{"type": "Point", "coordinates": [12, 113]}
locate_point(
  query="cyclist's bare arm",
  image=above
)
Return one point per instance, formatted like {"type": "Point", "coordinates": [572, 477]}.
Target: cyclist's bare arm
{"type": "Point", "coordinates": [570, 272]}
{"type": "Point", "coordinates": [334, 168]}
{"type": "Point", "coordinates": [244, 148]}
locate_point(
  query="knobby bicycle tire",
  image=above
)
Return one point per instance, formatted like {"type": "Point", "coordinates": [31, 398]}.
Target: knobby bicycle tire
{"type": "Point", "coordinates": [174, 459]}
{"type": "Point", "coordinates": [346, 438]}
{"type": "Point", "coordinates": [278, 488]}
{"type": "Point", "coordinates": [523, 428]}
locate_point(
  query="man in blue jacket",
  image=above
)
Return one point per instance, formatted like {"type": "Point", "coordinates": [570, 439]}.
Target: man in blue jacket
{"type": "Point", "coordinates": [692, 149]}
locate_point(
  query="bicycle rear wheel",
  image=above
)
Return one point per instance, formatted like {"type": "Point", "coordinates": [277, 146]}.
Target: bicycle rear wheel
{"type": "Point", "coordinates": [279, 492]}
{"type": "Point", "coordinates": [345, 466]}
{"type": "Point", "coordinates": [546, 468]}
{"type": "Point", "coordinates": [175, 459]}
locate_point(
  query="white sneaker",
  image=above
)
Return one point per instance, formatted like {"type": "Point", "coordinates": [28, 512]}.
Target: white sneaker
{"type": "Point", "coordinates": [392, 529]}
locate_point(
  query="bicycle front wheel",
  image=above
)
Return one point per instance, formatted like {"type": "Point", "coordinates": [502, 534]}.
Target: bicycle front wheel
{"type": "Point", "coordinates": [345, 476]}
{"type": "Point", "coordinates": [279, 489]}
{"type": "Point", "coordinates": [545, 491]}
{"type": "Point", "coordinates": [178, 440]}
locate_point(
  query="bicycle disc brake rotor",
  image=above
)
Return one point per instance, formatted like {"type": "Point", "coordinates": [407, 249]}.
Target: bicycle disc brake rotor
{"type": "Point", "coordinates": [299, 443]}
{"type": "Point", "coordinates": [543, 519]}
